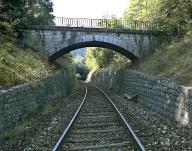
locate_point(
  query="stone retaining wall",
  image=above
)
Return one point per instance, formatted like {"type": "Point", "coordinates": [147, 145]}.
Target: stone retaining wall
{"type": "Point", "coordinates": [17, 102]}
{"type": "Point", "coordinates": [170, 100]}
{"type": "Point", "coordinates": [107, 79]}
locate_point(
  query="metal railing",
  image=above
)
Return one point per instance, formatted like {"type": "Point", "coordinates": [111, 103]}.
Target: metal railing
{"type": "Point", "coordinates": [99, 23]}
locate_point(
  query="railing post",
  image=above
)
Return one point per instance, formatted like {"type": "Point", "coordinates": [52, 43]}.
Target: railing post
{"type": "Point", "coordinates": [62, 20]}
{"type": "Point", "coordinates": [77, 23]}
{"type": "Point", "coordinates": [100, 23]}
{"type": "Point", "coordinates": [91, 23]}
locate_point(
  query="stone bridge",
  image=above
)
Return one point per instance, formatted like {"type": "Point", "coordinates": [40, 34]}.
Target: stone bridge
{"type": "Point", "coordinates": [133, 39]}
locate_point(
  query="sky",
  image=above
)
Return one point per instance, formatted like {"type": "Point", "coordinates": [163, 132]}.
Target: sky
{"type": "Point", "coordinates": [89, 8]}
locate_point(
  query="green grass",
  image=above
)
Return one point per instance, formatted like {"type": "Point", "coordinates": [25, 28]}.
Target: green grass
{"type": "Point", "coordinates": [18, 66]}
{"type": "Point", "coordinates": [172, 61]}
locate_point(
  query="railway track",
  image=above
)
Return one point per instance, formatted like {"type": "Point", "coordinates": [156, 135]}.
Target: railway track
{"type": "Point", "coordinates": [98, 125]}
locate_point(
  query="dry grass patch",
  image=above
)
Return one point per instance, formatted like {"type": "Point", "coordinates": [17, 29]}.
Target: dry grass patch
{"type": "Point", "coordinates": [173, 61]}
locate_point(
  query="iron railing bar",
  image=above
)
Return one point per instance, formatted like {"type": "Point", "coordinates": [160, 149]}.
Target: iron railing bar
{"type": "Point", "coordinates": [101, 23]}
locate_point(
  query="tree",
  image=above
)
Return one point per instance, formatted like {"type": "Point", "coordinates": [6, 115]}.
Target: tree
{"type": "Point", "coordinates": [135, 11]}
{"type": "Point", "coordinates": [17, 13]}
{"type": "Point", "coordinates": [26, 12]}
{"type": "Point", "coordinates": [177, 14]}
{"type": "Point", "coordinates": [80, 67]}
{"type": "Point", "coordinates": [39, 12]}
{"type": "Point", "coordinates": [173, 15]}
{"type": "Point", "coordinates": [91, 60]}
{"type": "Point", "coordinates": [113, 22]}
{"type": "Point", "coordinates": [97, 58]}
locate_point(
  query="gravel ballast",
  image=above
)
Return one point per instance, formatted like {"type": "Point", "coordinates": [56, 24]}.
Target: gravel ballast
{"type": "Point", "coordinates": [42, 132]}
{"type": "Point", "coordinates": [157, 133]}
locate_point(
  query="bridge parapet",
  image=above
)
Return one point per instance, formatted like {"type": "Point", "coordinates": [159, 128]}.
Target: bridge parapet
{"type": "Point", "coordinates": [134, 39]}
{"type": "Point", "coordinates": [99, 23]}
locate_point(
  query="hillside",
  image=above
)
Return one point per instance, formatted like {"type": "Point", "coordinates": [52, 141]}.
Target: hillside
{"type": "Point", "coordinates": [18, 66]}
{"type": "Point", "coordinates": [172, 61]}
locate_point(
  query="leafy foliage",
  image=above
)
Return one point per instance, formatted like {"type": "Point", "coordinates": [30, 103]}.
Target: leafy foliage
{"type": "Point", "coordinates": [80, 67]}
{"type": "Point", "coordinates": [111, 23]}
{"type": "Point", "coordinates": [14, 13]}
{"type": "Point", "coordinates": [97, 58]}
{"type": "Point", "coordinates": [91, 60]}
{"type": "Point", "coordinates": [39, 12]}
{"type": "Point", "coordinates": [174, 15]}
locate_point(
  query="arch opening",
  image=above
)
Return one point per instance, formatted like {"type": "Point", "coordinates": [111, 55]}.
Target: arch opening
{"type": "Point", "coordinates": [107, 45]}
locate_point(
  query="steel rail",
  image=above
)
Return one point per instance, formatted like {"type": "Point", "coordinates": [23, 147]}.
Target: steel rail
{"type": "Point", "coordinates": [136, 139]}
{"type": "Point", "coordinates": [61, 139]}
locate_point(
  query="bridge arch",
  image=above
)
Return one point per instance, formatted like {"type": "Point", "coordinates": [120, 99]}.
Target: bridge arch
{"type": "Point", "coordinates": [101, 44]}
{"type": "Point", "coordinates": [56, 41]}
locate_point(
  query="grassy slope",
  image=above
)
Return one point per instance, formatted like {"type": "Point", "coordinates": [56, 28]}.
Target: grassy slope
{"type": "Point", "coordinates": [173, 61]}
{"type": "Point", "coordinates": [18, 66]}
